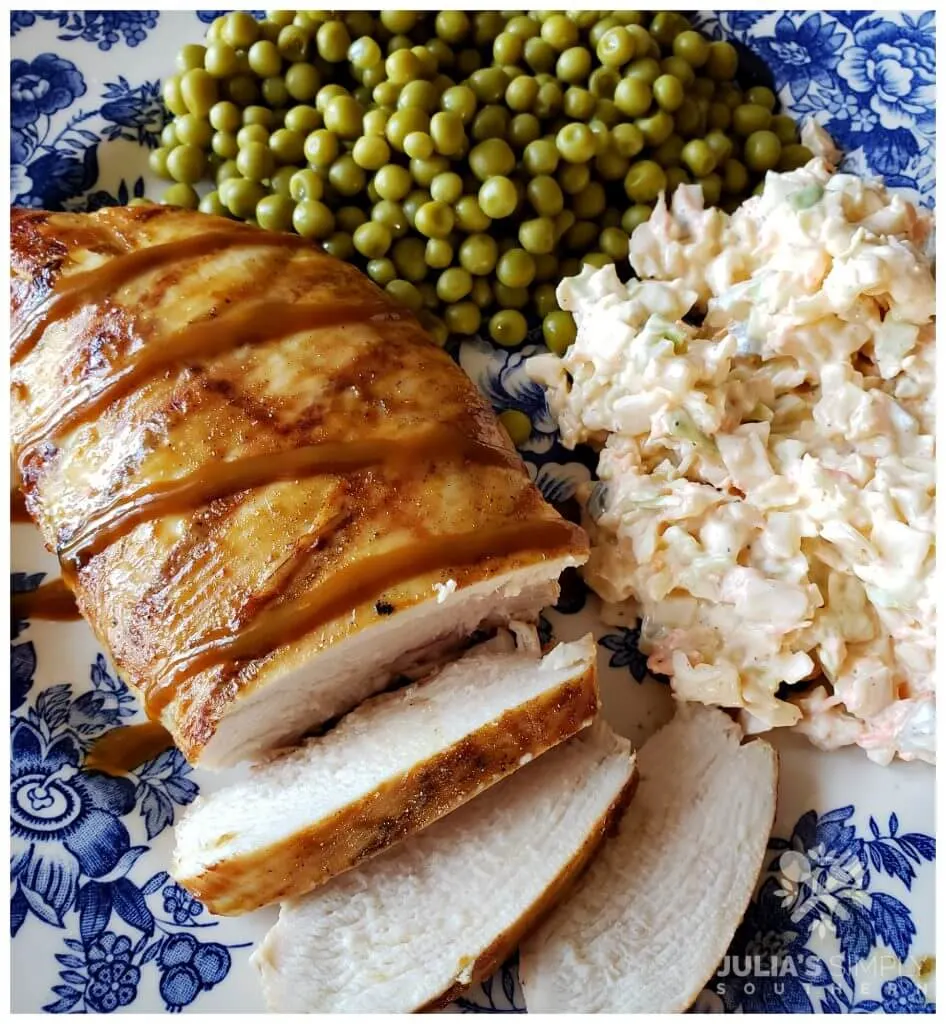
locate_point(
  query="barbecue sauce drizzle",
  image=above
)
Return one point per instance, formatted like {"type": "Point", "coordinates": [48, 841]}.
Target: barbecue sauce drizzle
{"type": "Point", "coordinates": [348, 587]}
{"type": "Point", "coordinates": [52, 600]}
{"type": "Point", "coordinates": [127, 747]}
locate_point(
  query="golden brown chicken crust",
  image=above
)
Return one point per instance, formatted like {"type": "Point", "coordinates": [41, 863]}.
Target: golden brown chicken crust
{"type": "Point", "coordinates": [168, 583]}
{"type": "Point", "coordinates": [401, 807]}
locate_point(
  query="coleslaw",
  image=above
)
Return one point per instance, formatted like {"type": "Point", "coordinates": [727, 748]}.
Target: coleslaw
{"type": "Point", "coordinates": [766, 494]}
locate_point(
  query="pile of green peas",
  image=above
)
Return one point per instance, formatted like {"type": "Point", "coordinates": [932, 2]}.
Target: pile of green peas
{"type": "Point", "coordinates": [466, 162]}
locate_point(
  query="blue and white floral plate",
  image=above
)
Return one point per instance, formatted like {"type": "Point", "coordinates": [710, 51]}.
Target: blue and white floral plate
{"type": "Point", "coordinates": [843, 919]}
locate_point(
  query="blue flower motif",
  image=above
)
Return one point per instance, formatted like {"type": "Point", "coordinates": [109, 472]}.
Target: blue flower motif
{"type": "Point", "coordinates": [41, 87]}
{"type": "Point", "coordinates": [902, 995]}
{"type": "Point", "coordinates": [179, 903]}
{"type": "Point", "coordinates": [64, 823]}
{"type": "Point", "coordinates": [113, 979]}
{"type": "Point", "coordinates": [135, 113]}
{"type": "Point", "coordinates": [501, 376]}
{"type": "Point", "coordinates": [894, 68]}
{"type": "Point", "coordinates": [626, 653]}
{"type": "Point", "coordinates": [803, 52]}
{"type": "Point", "coordinates": [20, 20]}
{"type": "Point", "coordinates": [189, 966]}
{"type": "Point", "coordinates": [104, 28]}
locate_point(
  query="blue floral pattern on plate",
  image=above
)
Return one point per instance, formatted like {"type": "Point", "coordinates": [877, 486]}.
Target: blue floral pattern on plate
{"type": "Point", "coordinates": [835, 900]}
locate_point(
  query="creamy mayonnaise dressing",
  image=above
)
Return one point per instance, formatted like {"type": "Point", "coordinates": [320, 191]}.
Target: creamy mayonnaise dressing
{"type": "Point", "coordinates": [767, 494]}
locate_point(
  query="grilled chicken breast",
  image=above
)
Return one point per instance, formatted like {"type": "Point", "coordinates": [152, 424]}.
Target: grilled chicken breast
{"type": "Point", "coordinates": [391, 767]}
{"type": "Point", "coordinates": [650, 921]}
{"type": "Point", "coordinates": [417, 925]}
{"type": "Point", "coordinates": [269, 490]}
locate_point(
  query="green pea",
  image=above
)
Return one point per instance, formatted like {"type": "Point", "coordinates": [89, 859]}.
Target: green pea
{"type": "Point", "coordinates": [186, 164]}
{"type": "Point", "coordinates": [575, 142]}
{"type": "Point", "coordinates": [492, 122]}
{"type": "Point", "coordinates": [306, 184]}
{"type": "Point", "coordinates": [375, 122]}
{"type": "Point", "coordinates": [516, 268]}
{"type": "Point", "coordinates": [332, 41]}
{"type": "Point", "coordinates": [402, 123]}
{"type": "Point", "coordinates": [420, 94]}
{"type": "Point", "coordinates": [372, 240]}
{"type": "Point", "coordinates": [492, 157]}
{"type": "Point", "coordinates": [537, 237]}
{"type": "Point", "coordinates": [481, 294]}
{"type": "Point", "coordinates": [579, 104]}
{"type": "Point", "coordinates": [405, 293]}
{"type": "Point", "coordinates": [212, 204]}
{"type": "Point", "coordinates": [498, 197]}
{"type": "Point", "coordinates": [193, 130]}
{"type": "Point", "coordinates": [517, 425]}
{"type": "Point", "coordinates": [722, 61]}
{"type": "Point", "coordinates": [750, 117]}
{"type": "Point", "coordinates": [386, 93]}
{"type": "Point", "coordinates": [559, 31]}
{"type": "Point", "coordinates": [240, 89]}
{"type": "Point", "coordinates": [382, 271]}
{"type": "Point", "coordinates": [543, 298]}
{"type": "Point", "coordinates": [721, 145]}
{"type": "Point", "coordinates": [612, 166]}
{"type": "Point", "coordinates": [452, 26]}
{"type": "Point", "coordinates": [573, 65]}
{"type": "Point", "coordinates": [633, 96]}
{"type": "Point", "coordinates": [470, 216]}
{"type": "Point", "coordinates": [424, 171]}
{"type": "Point", "coordinates": [346, 177]}
{"type": "Point", "coordinates": [460, 100]}
{"type": "Point", "coordinates": [735, 178]}
{"type": "Point", "coordinates": [719, 116]}
{"type": "Point", "coordinates": [627, 139]}
{"type": "Point", "coordinates": [321, 148]}
{"type": "Point", "coordinates": [446, 133]}
{"type": "Point", "coordinates": [794, 156]}
{"type": "Point", "coordinates": [349, 217]}
{"type": "Point", "coordinates": [228, 169]}
{"type": "Point", "coordinates": [274, 213]}
{"type": "Point", "coordinates": [438, 253]}
{"type": "Point", "coordinates": [181, 194]}
{"type": "Point", "coordinates": [763, 96]}
{"type": "Point", "coordinates": [434, 219]}
{"type": "Point", "coordinates": [399, 21]}
{"type": "Point", "coordinates": [522, 26]}
{"type": "Point", "coordinates": [692, 47]}
{"type": "Point", "coordinates": [541, 157]}
{"type": "Point", "coordinates": [550, 100]}
{"type": "Point", "coordinates": [545, 195]}
{"type": "Point", "coordinates": [563, 222]}
{"type": "Point", "coordinates": [521, 93]}
{"type": "Point", "coordinates": [419, 145]}
{"type": "Point", "coordinates": [558, 331]}
{"type": "Point", "coordinates": [644, 181]}
{"type": "Point", "coordinates": [762, 151]}
{"type": "Point", "coordinates": [414, 201]}
{"type": "Point", "coordinates": [572, 178]}
{"type": "Point", "coordinates": [158, 161]}
{"type": "Point", "coordinates": [614, 242]}
{"type": "Point", "coordinates": [785, 128]}
{"type": "Point", "coordinates": [688, 119]}
{"type": "Point", "coordinates": [198, 91]}
{"type": "Point", "coordinates": [287, 146]}
{"type": "Point", "coordinates": [508, 327]}
{"type": "Point", "coordinates": [371, 152]}
{"type": "Point", "coordinates": [645, 69]}
{"type": "Point", "coordinates": [190, 55]}
{"type": "Point", "coordinates": [669, 153]}
{"type": "Point", "coordinates": [392, 182]}
{"type": "Point", "coordinates": [699, 157]}
{"type": "Point", "coordinates": [657, 128]}
{"type": "Point", "coordinates": [392, 216]}
{"type": "Point", "coordinates": [364, 53]}
{"type": "Point", "coordinates": [678, 176]}
{"type": "Point", "coordinates": [539, 55]}
{"type": "Point", "coordinates": [602, 82]}
{"type": "Point", "coordinates": [478, 254]}
{"type": "Point", "coordinates": [255, 114]}
{"type": "Point", "coordinates": [606, 111]}
{"type": "Point", "coordinates": [510, 298]}
{"type": "Point", "coordinates": [666, 26]}
{"type": "Point", "coordinates": [225, 116]}
{"type": "Point", "coordinates": [408, 255]}
{"type": "Point", "coordinates": [712, 186]}
{"type": "Point", "coordinates": [462, 318]}
{"type": "Point", "coordinates": [220, 60]}
{"type": "Point", "coordinates": [240, 196]}
{"type": "Point", "coordinates": [616, 47]}
{"type": "Point", "coordinates": [343, 116]}
{"type": "Point", "coordinates": [454, 284]}
{"type": "Point", "coordinates": [668, 92]}
{"type": "Point", "coordinates": [240, 29]}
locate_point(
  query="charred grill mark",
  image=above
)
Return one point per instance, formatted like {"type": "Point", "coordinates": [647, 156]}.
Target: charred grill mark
{"type": "Point", "coordinates": [384, 607]}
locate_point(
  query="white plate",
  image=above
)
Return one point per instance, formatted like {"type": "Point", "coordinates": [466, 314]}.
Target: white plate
{"type": "Point", "coordinates": [844, 915]}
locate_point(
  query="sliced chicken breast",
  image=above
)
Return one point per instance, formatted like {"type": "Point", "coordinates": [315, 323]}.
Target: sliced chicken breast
{"type": "Point", "coordinates": [391, 767]}
{"type": "Point", "coordinates": [270, 491]}
{"type": "Point", "coordinates": [650, 921]}
{"type": "Point", "coordinates": [421, 922]}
